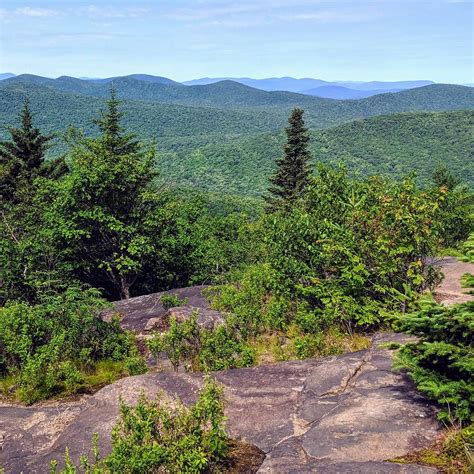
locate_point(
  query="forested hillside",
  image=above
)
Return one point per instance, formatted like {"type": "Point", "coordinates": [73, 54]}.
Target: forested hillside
{"type": "Point", "coordinates": [227, 136]}
{"type": "Point", "coordinates": [55, 110]}
{"type": "Point", "coordinates": [231, 95]}
{"type": "Point", "coordinates": [393, 145]}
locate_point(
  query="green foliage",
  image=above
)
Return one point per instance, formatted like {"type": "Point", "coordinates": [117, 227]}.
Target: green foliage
{"type": "Point", "coordinates": [456, 216]}
{"type": "Point", "coordinates": [349, 253]}
{"type": "Point", "coordinates": [293, 171]}
{"type": "Point", "coordinates": [180, 343]}
{"type": "Point", "coordinates": [391, 146]}
{"type": "Point", "coordinates": [28, 263]}
{"type": "Point", "coordinates": [223, 348]}
{"type": "Point", "coordinates": [467, 281]}
{"type": "Point", "coordinates": [186, 344]}
{"type": "Point", "coordinates": [163, 435]}
{"type": "Point", "coordinates": [50, 347]}
{"type": "Point", "coordinates": [468, 249]}
{"type": "Point", "coordinates": [103, 208]}
{"type": "Point", "coordinates": [23, 157]}
{"type": "Point", "coordinates": [441, 362]}
{"type": "Point", "coordinates": [172, 301]}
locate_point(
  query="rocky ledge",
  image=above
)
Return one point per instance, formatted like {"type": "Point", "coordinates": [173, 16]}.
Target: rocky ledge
{"type": "Point", "coordinates": [348, 413]}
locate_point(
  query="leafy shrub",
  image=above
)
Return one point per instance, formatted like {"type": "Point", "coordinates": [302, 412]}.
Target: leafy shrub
{"type": "Point", "coordinates": [180, 343]}
{"type": "Point", "coordinates": [200, 349]}
{"type": "Point", "coordinates": [50, 347]}
{"type": "Point", "coordinates": [467, 281]}
{"type": "Point", "coordinates": [172, 301]}
{"type": "Point", "coordinates": [346, 255]}
{"type": "Point", "coordinates": [468, 249]}
{"type": "Point", "coordinates": [222, 349]}
{"type": "Point", "coordinates": [163, 435]}
{"type": "Point", "coordinates": [441, 362]}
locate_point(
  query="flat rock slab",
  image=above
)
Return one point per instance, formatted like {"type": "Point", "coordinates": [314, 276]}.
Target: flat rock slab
{"type": "Point", "coordinates": [346, 413]}
{"type": "Point", "coordinates": [450, 290]}
{"type": "Point", "coordinates": [144, 313]}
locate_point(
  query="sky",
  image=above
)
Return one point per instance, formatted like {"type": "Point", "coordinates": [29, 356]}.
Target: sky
{"type": "Point", "coordinates": [356, 40]}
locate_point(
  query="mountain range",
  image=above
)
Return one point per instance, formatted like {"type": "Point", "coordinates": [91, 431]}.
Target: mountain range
{"type": "Point", "coordinates": [224, 136]}
{"type": "Point", "coordinates": [316, 87]}
{"type": "Point", "coordinates": [291, 84]}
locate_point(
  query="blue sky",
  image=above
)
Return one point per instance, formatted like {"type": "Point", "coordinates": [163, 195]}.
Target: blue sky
{"type": "Point", "coordinates": [185, 39]}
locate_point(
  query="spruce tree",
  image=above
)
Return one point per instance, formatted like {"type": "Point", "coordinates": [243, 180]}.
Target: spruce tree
{"type": "Point", "coordinates": [115, 139]}
{"type": "Point", "coordinates": [292, 176]}
{"type": "Point", "coordinates": [105, 210]}
{"type": "Point", "coordinates": [444, 178]}
{"type": "Point", "coordinates": [22, 158]}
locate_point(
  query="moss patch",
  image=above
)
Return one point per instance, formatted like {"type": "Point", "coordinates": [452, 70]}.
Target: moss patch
{"type": "Point", "coordinates": [452, 452]}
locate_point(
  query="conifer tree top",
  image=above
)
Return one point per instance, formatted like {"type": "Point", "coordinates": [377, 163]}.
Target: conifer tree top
{"type": "Point", "coordinates": [293, 169]}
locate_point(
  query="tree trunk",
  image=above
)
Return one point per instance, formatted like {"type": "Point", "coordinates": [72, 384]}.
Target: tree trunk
{"type": "Point", "coordinates": [124, 288]}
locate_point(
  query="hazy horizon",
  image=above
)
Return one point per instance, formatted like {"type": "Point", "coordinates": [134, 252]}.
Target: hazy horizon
{"type": "Point", "coordinates": [384, 40]}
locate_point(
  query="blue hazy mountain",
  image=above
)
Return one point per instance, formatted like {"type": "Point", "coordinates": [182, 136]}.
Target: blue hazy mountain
{"type": "Point", "coordinates": [290, 84]}
{"type": "Point", "coordinates": [139, 77]}
{"type": "Point", "coordinates": [344, 93]}
{"type": "Point", "coordinates": [6, 75]}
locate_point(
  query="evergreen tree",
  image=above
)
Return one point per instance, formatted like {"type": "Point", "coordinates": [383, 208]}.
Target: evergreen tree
{"type": "Point", "coordinates": [293, 171]}
{"type": "Point", "coordinates": [444, 178]}
{"type": "Point", "coordinates": [114, 137]}
{"type": "Point", "coordinates": [105, 208]}
{"type": "Point", "coordinates": [22, 158]}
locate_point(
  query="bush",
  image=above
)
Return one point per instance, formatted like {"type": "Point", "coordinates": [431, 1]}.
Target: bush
{"type": "Point", "coordinates": [50, 347]}
{"type": "Point", "coordinates": [468, 249]}
{"type": "Point", "coordinates": [346, 255]}
{"type": "Point", "coordinates": [163, 435]}
{"type": "Point", "coordinates": [441, 362]}
{"type": "Point", "coordinates": [222, 349]}
{"type": "Point", "coordinates": [172, 301]}
{"type": "Point", "coordinates": [199, 349]}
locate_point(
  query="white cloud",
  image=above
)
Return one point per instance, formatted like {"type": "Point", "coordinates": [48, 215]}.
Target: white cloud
{"type": "Point", "coordinates": [35, 12]}
{"type": "Point", "coordinates": [95, 11]}
{"type": "Point", "coordinates": [333, 16]}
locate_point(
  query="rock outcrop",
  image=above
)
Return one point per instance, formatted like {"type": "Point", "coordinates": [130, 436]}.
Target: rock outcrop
{"type": "Point", "coordinates": [450, 290]}
{"type": "Point", "coordinates": [145, 314]}
{"type": "Point", "coordinates": [346, 413]}
{"type": "Point", "coordinates": [342, 414]}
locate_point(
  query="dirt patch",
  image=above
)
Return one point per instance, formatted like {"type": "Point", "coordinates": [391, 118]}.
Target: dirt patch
{"type": "Point", "coordinates": [243, 458]}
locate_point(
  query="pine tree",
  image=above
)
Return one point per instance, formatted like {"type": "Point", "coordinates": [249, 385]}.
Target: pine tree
{"type": "Point", "coordinates": [106, 206]}
{"type": "Point", "coordinates": [444, 178]}
{"type": "Point", "coordinates": [23, 157]}
{"type": "Point", "coordinates": [115, 140]}
{"type": "Point", "coordinates": [293, 172]}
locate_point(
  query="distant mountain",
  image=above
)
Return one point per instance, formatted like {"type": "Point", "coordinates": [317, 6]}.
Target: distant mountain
{"type": "Point", "coordinates": [230, 95]}
{"type": "Point", "coordinates": [291, 84]}
{"type": "Point", "coordinates": [288, 84]}
{"type": "Point", "coordinates": [139, 77]}
{"type": "Point", "coordinates": [385, 86]}
{"type": "Point", "coordinates": [6, 75]}
{"type": "Point", "coordinates": [344, 93]}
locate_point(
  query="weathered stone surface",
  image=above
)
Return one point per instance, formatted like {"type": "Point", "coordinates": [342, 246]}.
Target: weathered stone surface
{"type": "Point", "coordinates": [146, 314]}
{"type": "Point", "coordinates": [206, 318]}
{"type": "Point", "coordinates": [450, 290]}
{"type": "Point", "coordinates": [347, 413]}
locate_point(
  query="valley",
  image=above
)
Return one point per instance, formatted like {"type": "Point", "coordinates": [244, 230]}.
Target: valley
{"type": "Point", "coordinates": [205, 133]}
